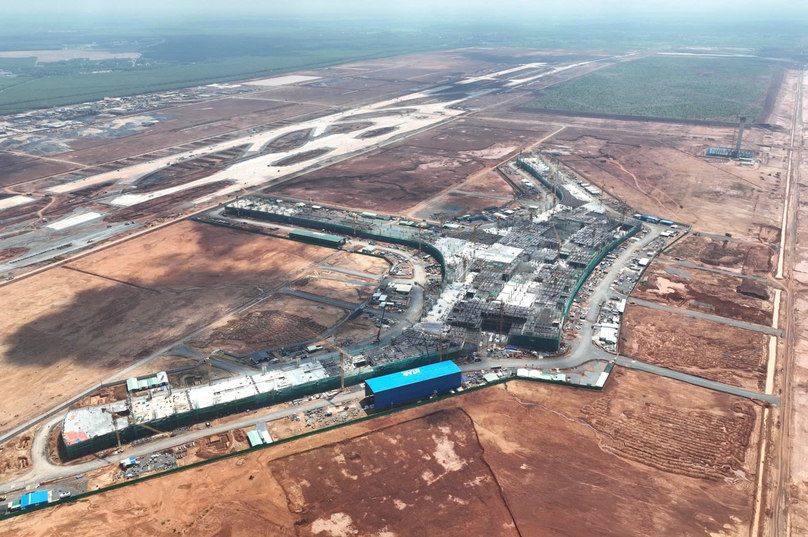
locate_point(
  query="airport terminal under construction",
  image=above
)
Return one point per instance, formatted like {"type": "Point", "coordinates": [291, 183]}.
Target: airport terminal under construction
{"type": "Point", "coordinates": [155, 407]}
{"type": "Point", "coordinates": [518, 278]}
{"type": "Point", "coordinates": [514, 274]}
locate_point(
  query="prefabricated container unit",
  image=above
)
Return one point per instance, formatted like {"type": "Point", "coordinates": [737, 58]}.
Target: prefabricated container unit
{"type": "Point", "coordinates": [666, 222]}
{"type": "Point", "coordinates": [34, 498]}
{"type": "Point", "coordinates": [255, 438]}
{"type": "Point", "coordinates": [413, 384]}
{"type": "Point", "coordinates": [314, 237]}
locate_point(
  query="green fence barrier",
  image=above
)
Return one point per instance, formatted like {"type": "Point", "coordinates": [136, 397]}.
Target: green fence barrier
{"type": "Point", "coordinates": [261, 400]}
{"type": "Point", "coordinates": [85, 495]}
{"type": "Point", "coordinates": [532, 171]}
{"type": "Point", "coordinates": [342, 230]}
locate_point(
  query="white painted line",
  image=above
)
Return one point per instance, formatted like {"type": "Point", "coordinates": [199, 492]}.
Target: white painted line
{"type": "Point", "coordinates": [13, 201]}
{"type": "Point", "coordinates": [74, 221]}
{"type": "Point", "coordinates": [281, 80]}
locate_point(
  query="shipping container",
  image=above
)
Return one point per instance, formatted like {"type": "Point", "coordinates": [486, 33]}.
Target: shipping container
{"type": "Point", "coordinates": [413, 384]}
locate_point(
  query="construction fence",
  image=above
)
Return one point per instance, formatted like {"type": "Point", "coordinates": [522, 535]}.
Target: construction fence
{"type": "Point", "coordinates": [83, 496]}
{"type": "Point", "coordinates": [253, 402]}
{"type": "Point", "coordinates": [387, 234]}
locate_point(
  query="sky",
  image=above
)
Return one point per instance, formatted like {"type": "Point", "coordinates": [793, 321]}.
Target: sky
{"type": "Point", "coordinates": [567, 10]}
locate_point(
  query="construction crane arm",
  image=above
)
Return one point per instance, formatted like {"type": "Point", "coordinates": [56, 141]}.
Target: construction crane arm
{"type": "Point", "coordinates": [115, 416]}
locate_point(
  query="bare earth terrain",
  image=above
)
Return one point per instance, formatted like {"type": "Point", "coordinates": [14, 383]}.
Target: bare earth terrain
{"type": "Point", "coordinates": [70, 327]}
{"type": "Point", "coordinates": [484, 458]}
{"type": "Point", "coordinates": [708, 292]}
{"type": "Point", "coordinates": [715, 351]}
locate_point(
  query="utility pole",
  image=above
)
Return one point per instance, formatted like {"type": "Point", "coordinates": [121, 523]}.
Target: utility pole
{"type": "Point", "coordinates": [501, 317]}
{"type": "Point", "coordinates": [419, 237]}
{"type": "Point", "coordinates": [341, 370]}
{"type": "Point", "coordinates": [384, 310]}
{"type": "Point", "coordinates": [354, 224]}
{"type": "Point", "coordinates": [440, 346]}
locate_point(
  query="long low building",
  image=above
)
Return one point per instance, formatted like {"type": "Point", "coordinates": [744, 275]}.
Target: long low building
{"type": "Point", "coordinates": [315, 237]}
{"type": "Point", "coordinates": [89, 429]}
{"type": "Point", "coordinates": [413, 384]}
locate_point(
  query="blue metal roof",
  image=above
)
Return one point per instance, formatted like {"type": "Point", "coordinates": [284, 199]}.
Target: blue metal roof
{"type": "Point", "coordinates": [34, 498]}
{"type": "Point", "coordinates": [412, 376]}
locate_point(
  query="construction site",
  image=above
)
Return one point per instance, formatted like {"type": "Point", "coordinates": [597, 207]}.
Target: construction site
{"type": "Point", "coordinates": [515, 277]}
{"type": "Point", "coordinates": [609, 287]}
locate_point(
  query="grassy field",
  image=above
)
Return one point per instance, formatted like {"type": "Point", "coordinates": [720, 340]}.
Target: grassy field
{"type": "Point", "coordinates": [28, 92]}
{"type": "Point", "coordinates": [197, 52]}
{"type": "Point", "coordinates": [675, 87]}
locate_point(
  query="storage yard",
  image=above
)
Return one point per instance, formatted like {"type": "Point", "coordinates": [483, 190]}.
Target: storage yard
{"type": "Point", "coordinates": [488, 452]}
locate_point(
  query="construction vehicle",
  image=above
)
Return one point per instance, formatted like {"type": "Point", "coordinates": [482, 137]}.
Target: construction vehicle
{"type": "Point", "coordinates": [116, 416]}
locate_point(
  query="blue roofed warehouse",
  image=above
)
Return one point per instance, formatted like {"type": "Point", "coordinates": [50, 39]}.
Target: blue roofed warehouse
{"type": "Point", "coordinates": [413, 384]}
{"type": "Point", "coordinates": [34, 498]}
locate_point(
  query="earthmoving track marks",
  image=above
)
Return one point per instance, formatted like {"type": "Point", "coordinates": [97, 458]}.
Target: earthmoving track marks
{"type": "Point", "coordinates": [41, 212]}
{"type": "Point", "coordinates": [699, 444]}
{"type": "Point", "coordinates": [491, 470]}
{"type": "Point", "coordinates": [637, 185]}
{"type": "Point", "coordinates": [129, 284]}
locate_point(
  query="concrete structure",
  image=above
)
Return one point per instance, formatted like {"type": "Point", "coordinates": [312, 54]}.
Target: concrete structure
{"type": "Point", "coordinates": [740, 136]}
{"type": "Point", "coordinates": [413, 384]}
{"type": "Point", "coordinates": [158, 380]}
{"type": "Point", "coordinates": [315, 237]}
{"type": "Point", "coordinates": [166, 409]}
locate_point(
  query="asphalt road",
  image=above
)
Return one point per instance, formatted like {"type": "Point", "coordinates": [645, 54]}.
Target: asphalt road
{"type": "Point", "coordinates": [740, 324]}
{"type": "Point", "coordinates": [359, 273]}
{"type": "Point", "coordinates": [698, 381]}
{"type": "Point", "coordinates": [325, 300]}
{"type": "Point", "coordinates": [582, 348]}
{"type": "Point", "coordinates": [690, 265]}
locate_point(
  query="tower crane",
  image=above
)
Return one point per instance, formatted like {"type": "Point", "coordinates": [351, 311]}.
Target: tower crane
{"type": "Point", "coordinates": [116, 416]}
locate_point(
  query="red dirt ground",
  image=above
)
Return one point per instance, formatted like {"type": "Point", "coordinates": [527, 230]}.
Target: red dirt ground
{"type": "Point", "coordinates": [20, 168]}
{"type": "Point", "coordinates": [70, 327]}
{"type": "Point", "coordinates": [409, 172]}
{"type": "Point", "coordinates": [736, 256]}
{"type": "Point", "coordinates": [646, 456]}
{"type": "Point", "coordinates": [708, 292]}
{"type": "Point", "coordinates": [706, 349]}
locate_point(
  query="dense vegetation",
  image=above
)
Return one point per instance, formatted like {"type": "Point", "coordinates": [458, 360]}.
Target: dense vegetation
{"type": "Point", "coordinates": [667, 86]}
{"type": "Point", "coordinates": [189, 53]}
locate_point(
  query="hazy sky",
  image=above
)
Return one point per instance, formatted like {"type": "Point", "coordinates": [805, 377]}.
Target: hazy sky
{"type": "Point", "coordinates": [566, 9]}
